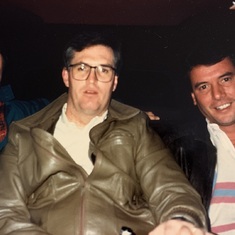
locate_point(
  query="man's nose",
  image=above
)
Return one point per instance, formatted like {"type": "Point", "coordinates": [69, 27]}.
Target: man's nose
{"type": "Point", "coordinates": [218, 92]}
{"type": "Point", "coordinates": [92, 77]}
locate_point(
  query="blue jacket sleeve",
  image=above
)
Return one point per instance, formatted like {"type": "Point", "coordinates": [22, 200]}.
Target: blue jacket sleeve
{"type": "Point", "coordinates": [18, 109]}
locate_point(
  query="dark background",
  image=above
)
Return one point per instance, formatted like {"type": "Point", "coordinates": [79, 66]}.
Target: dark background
{"type": "Point", "coordinates": [156, 36]}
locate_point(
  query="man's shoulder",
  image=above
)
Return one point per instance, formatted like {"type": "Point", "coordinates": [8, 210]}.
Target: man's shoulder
{"type": "Point", "coordinates": [121, 111]}
{"type": "Point", "coordinates": [51, 111]}
{"type": "Point", "coordinates": [186, 131]}
{"type": "Point", "coordinates": [6, 93]}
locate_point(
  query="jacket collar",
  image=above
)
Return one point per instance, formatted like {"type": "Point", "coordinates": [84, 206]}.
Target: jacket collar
{"type": "Point", "coordinates": [47, 122]}
{"type": "Point", "coordinates": [121, 111]}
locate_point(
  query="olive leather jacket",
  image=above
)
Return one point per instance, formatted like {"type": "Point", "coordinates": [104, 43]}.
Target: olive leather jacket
{"type": "Point", "coordinates": [135, 182]}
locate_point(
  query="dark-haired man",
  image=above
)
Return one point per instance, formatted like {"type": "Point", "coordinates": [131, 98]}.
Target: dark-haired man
{"type": "Point", "coordinates": [207, 153]}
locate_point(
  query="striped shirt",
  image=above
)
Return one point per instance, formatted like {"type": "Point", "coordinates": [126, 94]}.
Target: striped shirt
{"type": "Point", "coordinates": [222, 207]}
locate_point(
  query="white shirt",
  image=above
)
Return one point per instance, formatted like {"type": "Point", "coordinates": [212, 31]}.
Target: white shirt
{"type": "Point", "coordinates": [222, 207]}
{"type": "Point", "coordinates": [76, 139]}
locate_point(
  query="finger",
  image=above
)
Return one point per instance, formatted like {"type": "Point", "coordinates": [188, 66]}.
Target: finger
{"type": "Point", "coordinates": [152, 116]}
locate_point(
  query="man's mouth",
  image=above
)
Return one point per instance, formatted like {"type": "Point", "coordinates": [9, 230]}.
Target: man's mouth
{"type": "Point", "coordinates": [224, 106]}
{"type": "Point", "coordinates": [90, 92]}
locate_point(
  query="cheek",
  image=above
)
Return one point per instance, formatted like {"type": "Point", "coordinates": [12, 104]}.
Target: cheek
{"type": "Point", "coordinates": [203, 100]}
{"type": "Point", "coordinates": [106, 92]}
{"type": "Point", "coordinates": [231, 91]}
{"type": "Point", "coordinates": [76, 85]}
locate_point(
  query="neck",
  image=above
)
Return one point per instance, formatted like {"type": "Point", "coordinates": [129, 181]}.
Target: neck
{"type": "Point", "coordinates": [230, 132]}
{"type": "Point", "coordinates": [80, 120]}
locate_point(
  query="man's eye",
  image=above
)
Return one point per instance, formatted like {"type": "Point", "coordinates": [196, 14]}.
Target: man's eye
{"type": "Point", "coordinates": [202, 87]}
{"type": "Point", "coordinates": [81, 67]}
{"type": "Point", "coordinates": [226, 79]}
{"type": "Point", "coordinates": [105, 70]}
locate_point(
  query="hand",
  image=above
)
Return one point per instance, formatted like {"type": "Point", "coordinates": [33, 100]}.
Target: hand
{"type": "Point", "coordinates": [233, 6]}
{"type": "Point", "coordinates": [152, 116]}
{"type": "Point", "coordinates": [178, 227]}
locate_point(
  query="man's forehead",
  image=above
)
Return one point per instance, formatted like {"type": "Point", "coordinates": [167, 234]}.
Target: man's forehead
{"type": "Point", "coordinates": [96, 52]}
{"type": "Point", "coordinates": [97, 47]}
{"type": "Point", "coordinates": [220, 67]}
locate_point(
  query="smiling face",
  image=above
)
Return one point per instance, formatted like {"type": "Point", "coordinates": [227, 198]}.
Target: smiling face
{"type": "Point", "coordinates": [214, 91]}
{"type": "Point", "coordinates": [89, 98]}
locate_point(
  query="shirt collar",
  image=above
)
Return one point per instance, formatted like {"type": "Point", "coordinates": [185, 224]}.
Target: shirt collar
{"type": "Point", "coordinates": [94, 121]}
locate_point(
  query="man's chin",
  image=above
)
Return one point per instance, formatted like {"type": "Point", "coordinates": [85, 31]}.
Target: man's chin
{"type": "Point", "coordinates": [91, 111]}
{"type": "Point", "coordinates": [225, 122]}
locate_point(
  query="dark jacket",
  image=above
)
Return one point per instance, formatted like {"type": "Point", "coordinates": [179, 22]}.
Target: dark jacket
{"type": "Point", "coordinates": [135, 182]}
{"type": "Point", "coordinates": [194, 152]}
{"type": "Point", "coordinates": [17, 109]}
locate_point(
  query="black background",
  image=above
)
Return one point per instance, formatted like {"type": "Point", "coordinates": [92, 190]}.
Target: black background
{"type": "Point", "coordinates": [151, 78]}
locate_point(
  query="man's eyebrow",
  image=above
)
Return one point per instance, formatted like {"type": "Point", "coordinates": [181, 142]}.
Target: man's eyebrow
{"type": "Point", "coordinates": [221, 76]}
{"type": "Point", "coordinates": [226, 74]}
{"type": "Point", "coordinates": [199, 84]}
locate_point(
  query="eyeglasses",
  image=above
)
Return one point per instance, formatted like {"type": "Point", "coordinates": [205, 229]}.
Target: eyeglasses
{"type": "Point", "coordinates": [81, 72]}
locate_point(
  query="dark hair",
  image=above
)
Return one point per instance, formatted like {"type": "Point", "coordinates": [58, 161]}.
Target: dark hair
{"type": "Point", "coordinates": [87, 39]}
{"type": "Point", "coordinates": [208, 54]}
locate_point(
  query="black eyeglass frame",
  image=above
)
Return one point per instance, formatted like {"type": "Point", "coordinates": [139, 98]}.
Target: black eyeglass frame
{"type": "Point", "coordinates": [92, 67]}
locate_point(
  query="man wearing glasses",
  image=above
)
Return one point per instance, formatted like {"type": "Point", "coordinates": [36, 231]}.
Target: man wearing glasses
{"type": "Point", "coordinates": [89, 165]}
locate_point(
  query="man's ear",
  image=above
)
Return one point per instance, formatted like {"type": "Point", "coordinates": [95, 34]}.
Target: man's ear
{"type": "Point", "coordinates": [65, 76]}
{"type": "Point", "coordinates": [193, 98]}
{"type": "Point", "coordinates": [115, 83]}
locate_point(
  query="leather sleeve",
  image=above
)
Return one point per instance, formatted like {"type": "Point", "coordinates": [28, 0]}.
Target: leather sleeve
{"type": "Point", "coordinates": [165, 186]}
